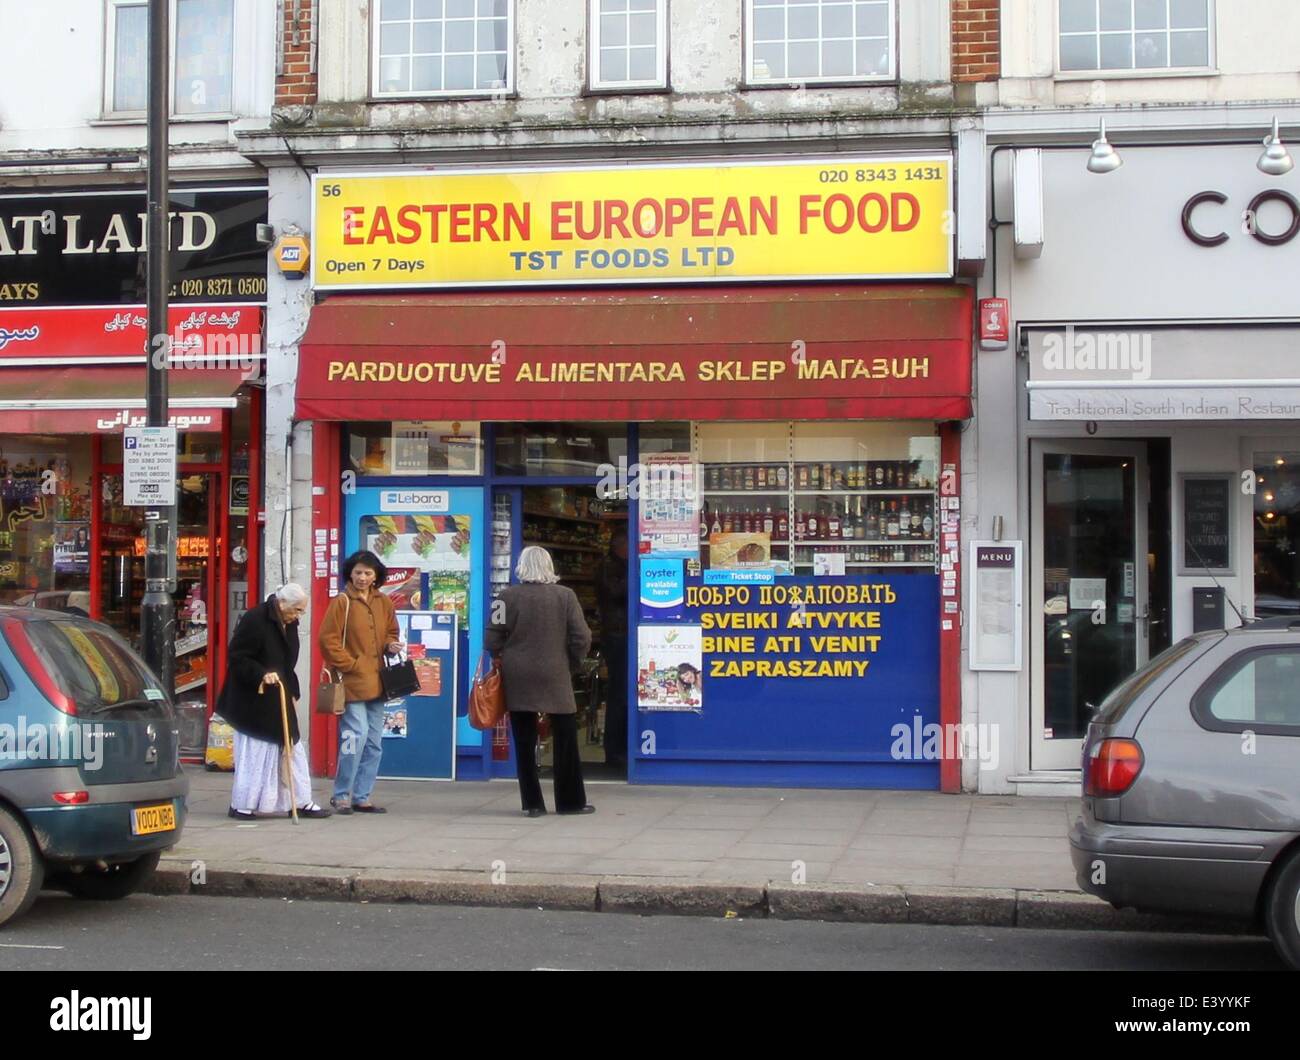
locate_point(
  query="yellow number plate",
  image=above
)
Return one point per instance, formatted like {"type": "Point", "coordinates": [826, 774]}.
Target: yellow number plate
{"type": "Point", "coordinates": [149, 819]}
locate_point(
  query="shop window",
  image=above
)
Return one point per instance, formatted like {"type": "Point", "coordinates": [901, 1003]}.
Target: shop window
{"type": "Point", "coordinates": [818, 497]}
{"type": "Point", "coordinates": [1277, 528]}
{"type": "Point", "coordinates": [819, 41]}
{"type": "Point", "coordinates": [629, 44]}
{"type": "Point", "coordinates": [1100, 35]}
{"type": "Point", "coordinates": [576, 449]}
{"type": "Point", "coordinates": [443, 47]}
{"type": "Point", "coordinates": [45, 521]}
{"type": "Point", "coordinates": [416, 447]}
{"type": "Point", "coordinates": [202, 49]}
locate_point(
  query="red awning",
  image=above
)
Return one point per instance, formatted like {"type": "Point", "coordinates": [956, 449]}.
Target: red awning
{"type": "Point", "coordinates": [94, 398]}
{"type": "Point", "coordinates": [727, 353]}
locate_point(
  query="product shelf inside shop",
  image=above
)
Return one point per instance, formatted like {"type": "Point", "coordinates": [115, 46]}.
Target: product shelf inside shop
{"type": "Point", "coordinates": [559, 515]}
{"type": "Point", "coordinates": [746, 493]}
{"type": "Point", "coordinates": [864, 493]}
{"type": "Point", "coordinates": [560, 544]}
{"type": "Point", "coordinates": [885, 563]}
{"type": "Point", "coordinates": [191, 685]}
{"type": "Point", "coordinates": [827, 542]}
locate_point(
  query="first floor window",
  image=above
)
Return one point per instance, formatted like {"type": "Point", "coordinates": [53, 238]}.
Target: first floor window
{"type": "Point", "coordinates": [202, 50]}
{"type": "Point", "coordinates": [1134, 34]}
{"type": "Point", "coordinates": [629, 43]}
{"type": "Point", "coordinates": [442, 47]}
{"type": "Point", "coordinates": [801, 41]}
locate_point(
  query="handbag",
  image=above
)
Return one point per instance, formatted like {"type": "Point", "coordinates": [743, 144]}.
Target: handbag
{"type": "Point", "coordinates": [330, 695]}
{"type": "Point", "coordinates": [487, 697]}
{"type": "Point", "coordinates": [400, 679]}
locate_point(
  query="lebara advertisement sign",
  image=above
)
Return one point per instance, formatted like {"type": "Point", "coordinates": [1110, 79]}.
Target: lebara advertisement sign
{"type": "Point", "coordinates": [849, 218]}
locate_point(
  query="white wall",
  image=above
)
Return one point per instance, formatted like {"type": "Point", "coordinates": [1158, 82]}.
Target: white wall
{"type": "Point", "coordinates": [52, 80]}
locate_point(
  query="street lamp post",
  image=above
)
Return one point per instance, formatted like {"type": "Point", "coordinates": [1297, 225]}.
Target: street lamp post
{"type": "Point", "coordinates": [157, 611]}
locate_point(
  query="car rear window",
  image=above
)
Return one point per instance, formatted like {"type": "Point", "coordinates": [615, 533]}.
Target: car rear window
{"type": "Point", "coordinates": [1114, 705]}
{"type": "Point", "coordinates": [92, 667]}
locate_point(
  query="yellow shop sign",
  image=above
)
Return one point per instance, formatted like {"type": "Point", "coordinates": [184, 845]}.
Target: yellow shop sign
{"type": "Point", "coordinates": [855, 218]}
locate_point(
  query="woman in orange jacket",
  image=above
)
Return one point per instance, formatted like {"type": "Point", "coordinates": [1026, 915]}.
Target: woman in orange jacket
{"type": "Point", "coordinates": [359, 628]}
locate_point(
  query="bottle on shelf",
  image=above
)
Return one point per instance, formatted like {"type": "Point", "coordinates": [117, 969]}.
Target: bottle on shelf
{"type": "Point", "coordinates": [717, 522]}
{"type": "Point", "coordinates": [891, 529]}
{"type": "Point", "coordinates": [814, 526]}
{"type": "Point", "coordinates": [880, 475]}
{"type": "Point", "coordinates": [749, 478]}
{"type": "Point", "coordinates": [760, 477]}
{"type": "Point", "coordinates": [846, 525]}
{"type": "Point", "coordinates": [833, 524]}
{"type": "Point", "coordinates": [769, 523]}
{"type": "Point", "coordinates": [927, 524]}
{"type": "Point", "coordinates": [783, 525]}
{"type": "Point", "coordinates": [916, 520]}
{"type": "Point", "coordinates": [782, 477]}
{"type": "Point", "coordinates": [800, 525]}
{"type": "Point", "coordinates": [803, 477]}
{"type": "Point", "coordinates": [815, 477]}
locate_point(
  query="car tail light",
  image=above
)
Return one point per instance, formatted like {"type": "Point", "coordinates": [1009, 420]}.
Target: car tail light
{"type": "Point", "coordinates": [29, 659]}
{"type": "Point", "coordinates": [1113, 765]}
{"type": "Point", "coordinates": [72, 798]}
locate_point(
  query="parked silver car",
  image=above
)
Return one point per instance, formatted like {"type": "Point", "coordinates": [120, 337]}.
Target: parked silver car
{"type": "Point", "coordinates": [1191, 782]}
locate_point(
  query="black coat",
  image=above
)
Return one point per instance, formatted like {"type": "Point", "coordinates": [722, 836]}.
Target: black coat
{"type": "Point", "coordinates": [542, 644]}
{"type": "Point", "coordinates": [260, 645]}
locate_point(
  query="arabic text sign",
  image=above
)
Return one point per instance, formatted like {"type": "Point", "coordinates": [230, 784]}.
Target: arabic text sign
{"type": "Point", "coordinates": [207, 333]}
{"type": "Point", "coordinates": [149, 467]}
{"type": "Point", "coordinates": [845, 218]}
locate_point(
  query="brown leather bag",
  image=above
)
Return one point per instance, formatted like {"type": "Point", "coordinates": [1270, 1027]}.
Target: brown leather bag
{"type": "Point", "coordinates": [487, 698]}
{"type": "Point", "coordinates": [330, 695]}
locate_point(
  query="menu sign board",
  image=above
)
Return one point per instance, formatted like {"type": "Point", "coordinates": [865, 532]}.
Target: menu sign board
{"type": "Point", "coordinates": [1207, 523]}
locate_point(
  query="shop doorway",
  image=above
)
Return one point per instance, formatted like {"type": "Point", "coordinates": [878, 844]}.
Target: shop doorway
{"type": "Point", "coordinates": [1090, 609]}
{"type": "Point", "coordinates": [199, 587]}
{"type": "Point", "coordinates": [587, 537]}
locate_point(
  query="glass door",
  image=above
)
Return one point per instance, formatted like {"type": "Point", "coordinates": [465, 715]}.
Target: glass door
{"type": "Point", "coordinates": [1089, 583]}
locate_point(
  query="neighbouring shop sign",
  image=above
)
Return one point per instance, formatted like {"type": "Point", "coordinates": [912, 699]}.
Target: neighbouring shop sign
{"type": "Point", "coordinates": [859, 217]}
{"type": "Point", "coordinates": [205, 334]}
{"type": "Point", "coordinates": [88, 247]}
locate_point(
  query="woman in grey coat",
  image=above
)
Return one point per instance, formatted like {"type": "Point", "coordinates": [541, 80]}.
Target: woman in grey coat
{"type": "Point", "coordinates": [541, 638]}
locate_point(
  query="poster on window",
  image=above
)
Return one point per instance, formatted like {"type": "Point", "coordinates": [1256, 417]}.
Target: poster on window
{"type": "Point", "coordinates": [72, 548]}
{"type": "Point", "coordinates": [437, 546]}
{"type": "Point", "coordinates": [394, 723]}
{"type": "Point", "coordinates": [669, 665]}
{"type": "Point", "coordinates": [670, 507]}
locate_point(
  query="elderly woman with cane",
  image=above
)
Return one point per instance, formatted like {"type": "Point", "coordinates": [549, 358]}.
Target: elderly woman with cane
{"type": "Point", "coordinates": [257, 700]}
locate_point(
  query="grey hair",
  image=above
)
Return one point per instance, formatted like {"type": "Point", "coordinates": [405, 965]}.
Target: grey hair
{"type": "Point", "coordinates": [535, 566]}
{"type": "Point", "coordinates": [291, 595]}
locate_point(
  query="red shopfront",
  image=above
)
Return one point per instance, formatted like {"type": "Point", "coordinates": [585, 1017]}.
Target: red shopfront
{"type": "Point", "coordinates": [70, 380]}
{"type": "Point", "coordinates": [849, 379]}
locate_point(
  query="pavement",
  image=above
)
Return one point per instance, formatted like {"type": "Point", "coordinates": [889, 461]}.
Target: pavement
{"type": "Point", "coordinates": [866, 856]}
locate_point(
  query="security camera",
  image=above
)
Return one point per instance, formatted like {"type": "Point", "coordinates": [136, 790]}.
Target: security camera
{"type": "Point", "coordinates": [265, 235]}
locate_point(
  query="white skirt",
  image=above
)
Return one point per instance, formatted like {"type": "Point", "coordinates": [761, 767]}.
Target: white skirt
{"type": "Point", "coordinates": [258, 784]}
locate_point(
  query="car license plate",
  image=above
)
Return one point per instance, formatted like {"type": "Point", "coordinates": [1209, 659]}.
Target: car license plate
{"type": "Point", "coordinates": [145, 820]}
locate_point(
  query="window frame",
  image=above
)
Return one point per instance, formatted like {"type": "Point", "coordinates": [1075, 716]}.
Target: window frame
{"type": "Point", "coordinates": [749, 81]}
{"type": "Point", "coordinates": [1126, 73]}
{"type": "Point", "coordinates": [1224, 673]}
{"type": "Point", "coordinates": [660, 82]}
{"type": "Point", "coordinates": [109, 114]}
{"type": "Point", "coordinates": [374, 11]}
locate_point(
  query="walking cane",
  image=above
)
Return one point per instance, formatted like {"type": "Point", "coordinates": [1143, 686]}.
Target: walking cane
{"type": "Point", "coordinates": [287, 761]}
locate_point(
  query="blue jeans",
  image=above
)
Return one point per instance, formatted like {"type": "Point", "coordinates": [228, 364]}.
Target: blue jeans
{"type": "Point", "coordinates": [361, 744]}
